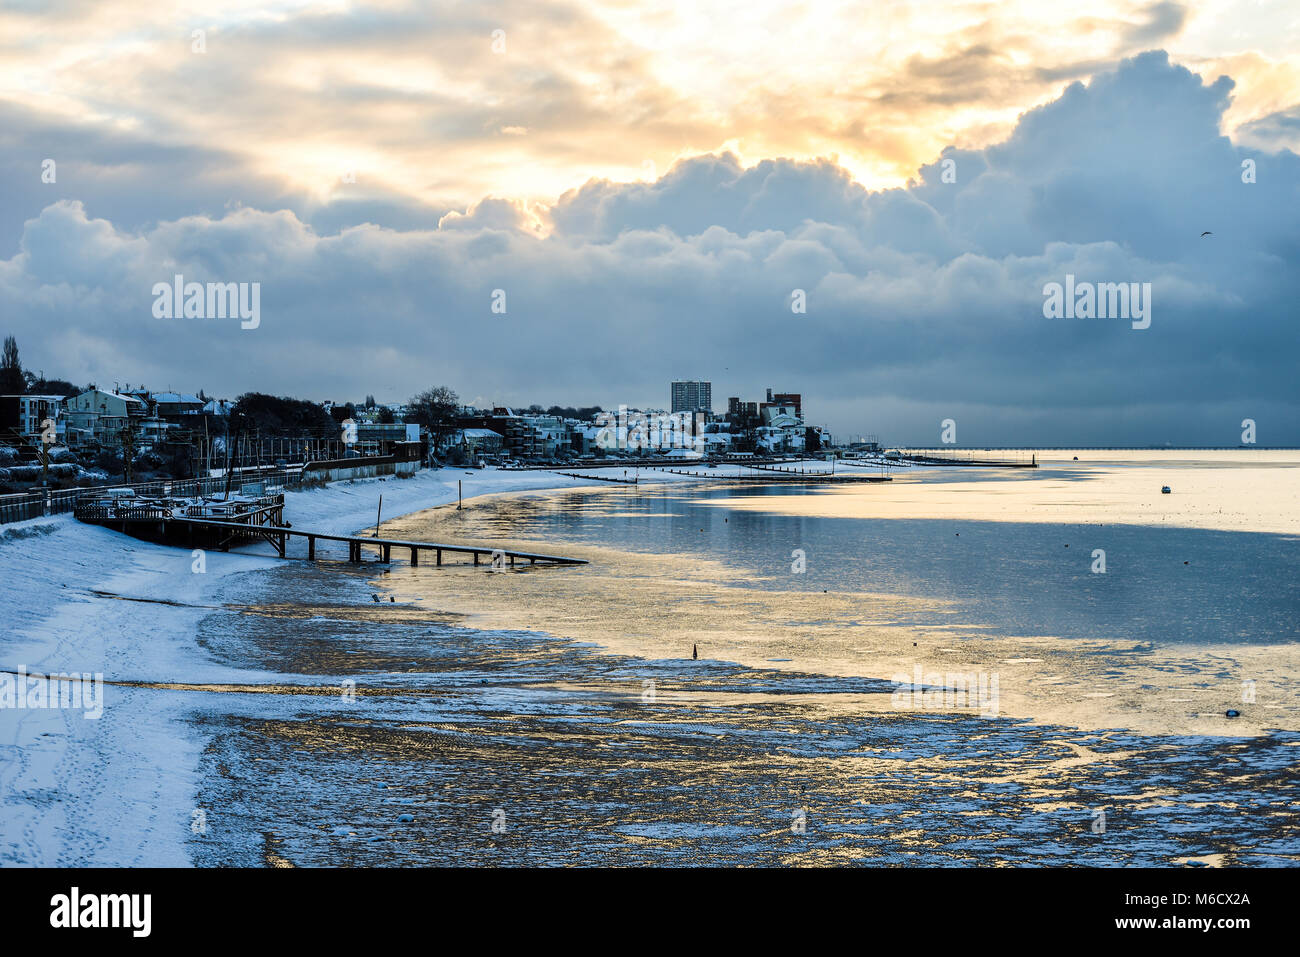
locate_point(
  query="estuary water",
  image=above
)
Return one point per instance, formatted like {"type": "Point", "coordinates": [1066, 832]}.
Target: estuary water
{"type": "Point", "coordinates": [557, 715]}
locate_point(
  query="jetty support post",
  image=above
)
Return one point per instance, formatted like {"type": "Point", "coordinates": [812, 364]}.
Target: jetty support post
{"type": "Point", "coordinates": [415, 557]}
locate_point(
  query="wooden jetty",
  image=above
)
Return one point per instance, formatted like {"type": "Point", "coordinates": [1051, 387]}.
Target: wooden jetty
{"type": "Point", "coordinates": [279, 536]}
{"type": "Point", "coordinates": [222, 524]}
{"type": "Point", "coordinates": [599, 478]}
{"type": "Point", "coordinates": [784, 477]}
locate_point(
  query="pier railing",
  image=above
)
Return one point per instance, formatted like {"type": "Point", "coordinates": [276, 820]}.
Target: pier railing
{"type": "Point", "coordinates": [21, 506]}
{"type": "Point", "coordinates": [262, 510]}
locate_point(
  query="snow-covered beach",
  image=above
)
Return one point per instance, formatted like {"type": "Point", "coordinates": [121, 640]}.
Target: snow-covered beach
{"type": "Point", "coordinates": [223, 723]}
{"type": "Point", "coordinates": [82, 599]}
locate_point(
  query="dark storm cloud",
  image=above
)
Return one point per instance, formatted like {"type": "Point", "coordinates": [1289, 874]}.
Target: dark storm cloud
{"type": "Point", "coordinates": [923, 303]}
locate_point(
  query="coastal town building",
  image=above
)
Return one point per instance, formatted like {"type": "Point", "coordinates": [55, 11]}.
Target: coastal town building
{"type": "Point", "coordinates": [96, 417]}
{"type": "Point", "coordinates": [478, 443]}
{"type": "Point", "coordinates": [692, 395]}
{"type": "Point", "coordinates": [781, 416]}
{"type": "Point", "coordinates": [176, 404]}
{"type": "Point", "coordinates": [21, 416]}
{"type": "Point", "coordinates": [550, 435]}
{"type": "Point", "coordinates": [518, 439]}
{"type": "Point", "coordinates": [792, 400]}
{"type": "Point", "coordinates": [181, 426]}
{"type": "Point", "coordinates": [381, 438]}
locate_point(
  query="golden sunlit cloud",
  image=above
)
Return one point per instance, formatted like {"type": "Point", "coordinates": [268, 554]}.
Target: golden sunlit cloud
{"type": "Point", "coordinates": [449, 104]}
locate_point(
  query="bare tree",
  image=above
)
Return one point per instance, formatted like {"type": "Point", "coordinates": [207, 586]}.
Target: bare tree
{"type": "Point", "coordinates": [12, 380]}
{"type": "Point", "coordinates": [746, 427]}
{"type": "Point", "coordinates": [435, 409]}
{"type": "Point", "coordinates": [127, 435]}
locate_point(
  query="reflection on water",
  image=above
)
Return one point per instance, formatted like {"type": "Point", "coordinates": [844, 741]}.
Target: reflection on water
{"type": "Point", "coordinates": [1161, 584]}
{"type": "Point", "coordinates": [505, 742]}
{"type": "Point", "coordinates": [1161, 642]}
{"type": "Point", "coordinates": [585, 762]}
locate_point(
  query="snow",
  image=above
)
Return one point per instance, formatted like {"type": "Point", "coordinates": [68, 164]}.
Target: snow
{"type": "Point", "coordinates": [120, 790]}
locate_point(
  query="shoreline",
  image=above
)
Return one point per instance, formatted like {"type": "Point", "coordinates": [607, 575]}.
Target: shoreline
{"type": "Point", "coordinates": [121, 790]}
{"type": "Point", "coordinates": [1166, 688]}
{"type": "Point", "coordinates": [100, 602]}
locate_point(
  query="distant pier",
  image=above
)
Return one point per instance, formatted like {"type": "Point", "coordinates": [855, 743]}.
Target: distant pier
{"type": "Point", "coordinates": [918, 459]}
{"type": "Point", "coordinates": [599, 478]}
{"type": "Point", "coordinates": [784, 476]}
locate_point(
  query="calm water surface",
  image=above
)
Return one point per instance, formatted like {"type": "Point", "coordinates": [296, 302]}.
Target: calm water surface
{"type": "Point", "coordinates": [554, 715]}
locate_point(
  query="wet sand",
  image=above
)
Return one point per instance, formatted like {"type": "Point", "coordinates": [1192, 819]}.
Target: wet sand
{"type": "Point", "coordinates": [555, 716]}
{"type": "Point", "coordinates": [660, 605]}
{"type": "Point", "coordinates": [577, 760]}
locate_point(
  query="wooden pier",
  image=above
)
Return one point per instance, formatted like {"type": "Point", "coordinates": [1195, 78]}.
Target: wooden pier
{"type": "Point", "coordinates": [279, 536]}
{"type": "Point", "coordinates": [223, 524]}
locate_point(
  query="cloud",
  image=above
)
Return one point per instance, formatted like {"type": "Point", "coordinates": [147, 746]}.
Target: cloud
{"type": "Point", "coordinates": [714, 191]}
{"type": "Point", "coordinates": [1275, 132]}
{"type": "Point", "coordinates": [924, 302]}
{"type": "Point", "coordinates": [490, 213]}
{"type": "Point", "coordinates": [1163, 22]}
{"type": "Point", "coordinates": [431, 115]}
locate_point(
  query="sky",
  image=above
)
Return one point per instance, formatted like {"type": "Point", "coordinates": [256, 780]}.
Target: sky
{"type": "Point", "coordinates": [651, 191]}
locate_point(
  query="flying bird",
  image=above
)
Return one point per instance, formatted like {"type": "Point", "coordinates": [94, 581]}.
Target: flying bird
{"type": "Point", "coordinates": [1206, 233]}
